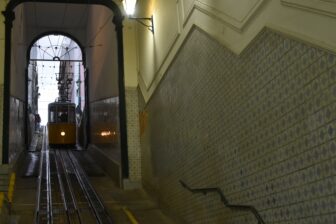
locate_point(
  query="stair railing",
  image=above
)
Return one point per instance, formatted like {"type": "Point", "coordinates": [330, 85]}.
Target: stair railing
{"type": "Point", "coordinates": [224, 200]}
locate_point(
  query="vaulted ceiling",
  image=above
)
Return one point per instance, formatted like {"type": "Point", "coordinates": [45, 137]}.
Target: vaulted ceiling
{"type": "Point", "coordinates": [42, 17]}
{"type": "Point", "coordinates": [56, 15]}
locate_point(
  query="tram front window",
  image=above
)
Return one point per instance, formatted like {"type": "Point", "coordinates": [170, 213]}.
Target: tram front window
{"type": "Point", "coordinates": [63, 117]}
{"type": "Point", "coordinates": [62, 113]}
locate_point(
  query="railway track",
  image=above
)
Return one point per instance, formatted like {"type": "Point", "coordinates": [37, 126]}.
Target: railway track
{"type": "Point", "coordinates": [65, 194]}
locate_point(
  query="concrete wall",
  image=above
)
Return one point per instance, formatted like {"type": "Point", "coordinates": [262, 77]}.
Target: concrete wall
{"type": "Point", "coordinates": [18, 62]}
{"type": "Point", "coordinates": [260, 126]}
{"type": "Point", "coordinates": [18, 55]}
{"type": "Point", "coordinates": [17, 87]}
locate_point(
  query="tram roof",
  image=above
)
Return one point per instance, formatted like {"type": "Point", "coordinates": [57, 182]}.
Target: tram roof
{"type": "Point", "coordinates": [61, 104]}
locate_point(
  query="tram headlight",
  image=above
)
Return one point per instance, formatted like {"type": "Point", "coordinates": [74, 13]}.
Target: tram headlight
{"type": "Point", "coordinates": [62, 133]}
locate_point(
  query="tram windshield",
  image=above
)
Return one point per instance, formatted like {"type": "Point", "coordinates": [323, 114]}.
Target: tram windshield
{"type": "Point", "coordinates": [61, 113]}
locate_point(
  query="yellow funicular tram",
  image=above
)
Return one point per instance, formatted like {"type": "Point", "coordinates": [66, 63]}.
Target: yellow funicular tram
{"type": "Point", "coordinates": [61, 124]}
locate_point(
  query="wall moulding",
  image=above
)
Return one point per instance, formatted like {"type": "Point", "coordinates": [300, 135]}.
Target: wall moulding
{"type": "Point", "coordinates": [323, 7]}
{"type": "Point", "coordinates": [226, 11]}
{"type": "Point", "coordinates": [167, 34]}
{"type": "Point", "coordinates": [277, 15]}
{"type": "Point", "coordinates": [171, 46]}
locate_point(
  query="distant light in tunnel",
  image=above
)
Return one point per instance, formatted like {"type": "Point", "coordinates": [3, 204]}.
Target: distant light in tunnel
{"type": "Point", "coordinates": [107, 133]}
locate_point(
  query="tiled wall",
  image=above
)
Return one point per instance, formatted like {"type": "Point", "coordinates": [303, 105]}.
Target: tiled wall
{"type": "Point", "coordinates": [133, 138]}
{"type": "Point", "coordinates": [261, 126]}
{"type": "Point", "coordinates": [16, 129]}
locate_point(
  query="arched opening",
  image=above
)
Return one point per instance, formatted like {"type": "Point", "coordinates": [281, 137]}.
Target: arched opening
{"type": "Point", "coordinates": [99, 60]}
{"type": "Point", "coordinates": [55, 74]}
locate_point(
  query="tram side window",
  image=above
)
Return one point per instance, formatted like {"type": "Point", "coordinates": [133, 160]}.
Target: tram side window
{"type": "Point", "coordinates": [62, 113]}
{"type": "Point", "coordinates": [52, 115]}
{"type": "Point", "coordinates": [71, 116]}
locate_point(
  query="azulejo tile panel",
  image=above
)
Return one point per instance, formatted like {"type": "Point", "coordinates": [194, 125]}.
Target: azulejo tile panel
{"type": "Point", "coordinates": [261, 126]}
{"type": "Point", "coordinates": [16, 129]}
{"type": "Point", "coordinates": [133, 134]}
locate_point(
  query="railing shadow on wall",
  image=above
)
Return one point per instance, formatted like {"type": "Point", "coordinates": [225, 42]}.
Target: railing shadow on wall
{"type": "Point", "coordinates": [224, 200]}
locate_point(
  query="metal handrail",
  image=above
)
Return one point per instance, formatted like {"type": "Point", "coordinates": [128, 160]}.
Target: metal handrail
{"type": "Point", "coordinates": [224, 200]}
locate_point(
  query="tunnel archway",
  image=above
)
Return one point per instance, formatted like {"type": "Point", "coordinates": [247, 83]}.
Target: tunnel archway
{"type": "Point", "coordinates": [117, 21]}
{"type": "Point", "coordinates": [66, 34]}
{"type": "Point", "coordinates": [56, 72]}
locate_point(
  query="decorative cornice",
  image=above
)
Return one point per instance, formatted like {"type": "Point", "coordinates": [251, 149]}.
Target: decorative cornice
{"type": "Point", "coordinates": [322, 7]}
{"type": "Point", "coordinates": [236, 22]}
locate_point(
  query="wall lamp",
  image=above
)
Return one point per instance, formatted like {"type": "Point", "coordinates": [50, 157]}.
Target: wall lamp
{"type": "Point", "coordinates": [129, 6]}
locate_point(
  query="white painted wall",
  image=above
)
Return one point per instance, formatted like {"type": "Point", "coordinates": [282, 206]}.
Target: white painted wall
{"type": "Point", "coordinates": [234, 23]}
{"type": "Point", "coordinates": [130, 55]}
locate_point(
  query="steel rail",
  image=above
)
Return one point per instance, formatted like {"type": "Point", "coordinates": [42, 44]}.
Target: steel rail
{"type": "Point", "coordinates": [61, 185]}
{"type": "Point", "coordinates": [44, 173]}
{"type": "Point", "coordinates": [49, 197]}
{"type": "Point", "coordinates": [70, 187]}
{"type": "Point", "coordinates": [94, 201]}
